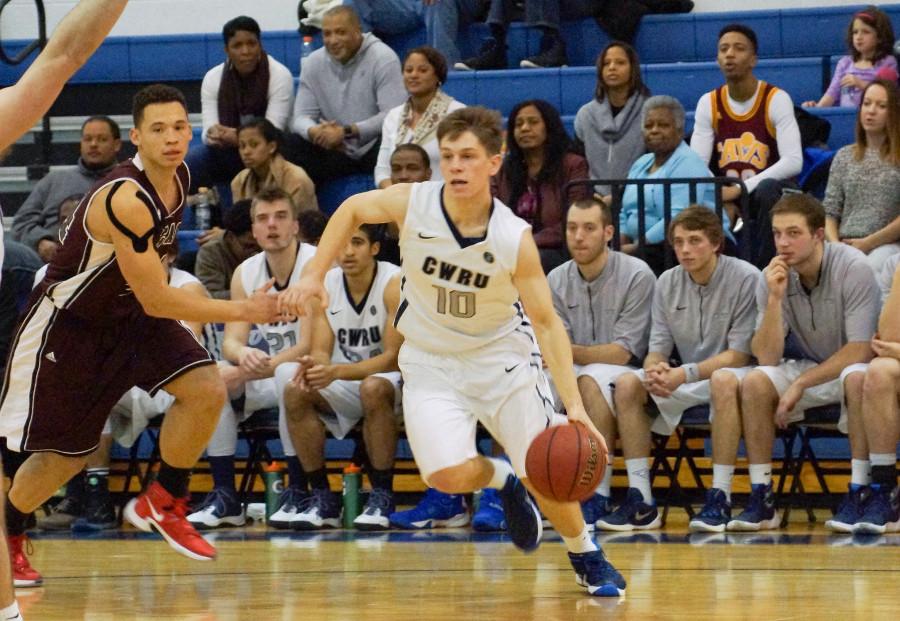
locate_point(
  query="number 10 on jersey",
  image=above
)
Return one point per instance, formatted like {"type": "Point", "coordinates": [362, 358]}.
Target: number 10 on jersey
{"type": "Point", "coordinates": [461, 303]}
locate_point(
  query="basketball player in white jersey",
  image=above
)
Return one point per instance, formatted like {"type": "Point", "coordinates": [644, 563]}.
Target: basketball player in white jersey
{"type": "Point", "coordinates": [350, 375]}
{"type": "Point", "coordinates": [252, 353]}
{"type": "Point", "coordinates": [469, 267]}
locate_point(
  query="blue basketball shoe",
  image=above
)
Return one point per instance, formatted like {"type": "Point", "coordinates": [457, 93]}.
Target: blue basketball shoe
{"type": "Point", "coordinates": [633, 514]}
{"type": "Point", "coordinates": [490, 517]}
{"type": "Point", "coordinates": [882, 515]}
{"type": "Point", "coordinates": [435, 510]}
{"type": "Point", "coordinates": [597, 574]}
{"type": "Point", "coordinates": [523, 519]}
{"type": "Point", "coordinates": [596, 507]}
{"type": "Point", "coordinates": [715, 514]}
{"type": "Point", "coordinates": [852, 507]}
{"type": "Point", "coordinates": [760, 513]}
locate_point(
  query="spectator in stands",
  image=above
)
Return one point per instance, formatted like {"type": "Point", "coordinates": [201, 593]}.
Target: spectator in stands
{"type": "Point", "coordinates": [532, 181]}
{"type": "Point", "coordinates": [346, 89]}
{"type": "Point", "coordinates": [218, 258]}
{"type": "Point", "coordinates": [603, 298]}
{"type": "Point", "coordinates": [881, 417]}
{"type": "Point", "coordinates": [827, 299]}
{"type": "Point", "coordinates": [746, 129]}
{"type": "Point", "coordinates": [389, 17]}
{"type": "Point", "coordinates": [706, 340]}
{"type": "Point", "coordinates": [311, 225]}
{"type": "Point", "coordinates": [251, 354]}
{"type": "Point", "coordinates": [410, 163]}
{"type": "Point", "coordinates": [37, 220]}
{"type": "Point", "coordinates": [249, 84]}
{"type": "Point", "coordinates": [541, 14]}
{"type": "Point", "coordinates": [610, 125]}
{"type": "Point", "coordinates": [668, 157]}
{"type": "Point", "coordinates": [870, 38]}
{"type": "Point", "coordinates": [862, 199]}
{"type": "Point", "coordinates": [350, 375]}
{"type": "Point", "coordinates": [416, 121]}
{"type": "Point", "coordinates": [258, 144]}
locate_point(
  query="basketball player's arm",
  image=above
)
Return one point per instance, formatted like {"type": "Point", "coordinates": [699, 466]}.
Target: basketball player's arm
{"type": "Point", "coordinates": [767, 345]}
{"type": "Point", "coordinates": [375, 207]}
{"type": "Point", "coordinates": [889, 321]}
{"type": "Point", "coordinates": [254, 363]}
{"type": "Point", "coordinates": [143, 271]}
{"type": "Point", "coordinates": [72, 43]}
{"type": "Point", "coordinates": [552, 339]}
{"type": "Point", "coordinates": [199, 290]}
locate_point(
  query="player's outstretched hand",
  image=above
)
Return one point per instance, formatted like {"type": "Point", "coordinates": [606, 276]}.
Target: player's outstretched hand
{"type": "Point", "coordinates": [261, 307]}
{"type": "Point", "coordinates": [294, 299]}
{"type": "Point", "coordinates": [579, 415]}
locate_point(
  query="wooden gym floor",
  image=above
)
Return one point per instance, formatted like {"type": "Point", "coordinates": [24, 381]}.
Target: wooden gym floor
{"type": "Point", "coordinates": [798, 573]}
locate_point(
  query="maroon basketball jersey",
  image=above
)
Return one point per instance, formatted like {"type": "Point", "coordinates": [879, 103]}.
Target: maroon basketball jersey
{"type": "Point", "coordinates": [745, 144]}
{"type": "Point", "coordinates": [84, 276]}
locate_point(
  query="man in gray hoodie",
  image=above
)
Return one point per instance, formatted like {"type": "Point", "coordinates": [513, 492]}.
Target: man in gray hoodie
{"type": "Point", "coordinates": [37, 220]}
{"type": "Point", "coordinates": [345, 91]}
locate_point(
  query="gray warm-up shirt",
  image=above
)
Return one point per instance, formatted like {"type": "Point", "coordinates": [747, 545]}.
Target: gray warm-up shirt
{"type": "Point", "coordinates": [842, 308]}
{"type": "Point", "coordinates": [702, 321]}
{"type": "Point", "coordinates": [614, 308]}
{"type": "Point", "coordinates": [886, 275]}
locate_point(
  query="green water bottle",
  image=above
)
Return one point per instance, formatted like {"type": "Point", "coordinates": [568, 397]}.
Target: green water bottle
{"type": "Point", "coordinates": [352, 479]}
{"type": "Point", "coordinates": [273, 476]}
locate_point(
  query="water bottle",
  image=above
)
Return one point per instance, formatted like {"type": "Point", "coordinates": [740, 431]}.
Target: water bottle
{"type": "Point", "coordinates": [352, 479]}
{"type": "Point", "coordinates": [273, 476]}
{"type": "Point", "coordinates": [202, 210]}
{"type": "Point", "coordinates": [306, 48]}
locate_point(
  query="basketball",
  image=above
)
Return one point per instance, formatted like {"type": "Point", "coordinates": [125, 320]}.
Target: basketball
{"type": "Point", "coordinates": [566, 462]}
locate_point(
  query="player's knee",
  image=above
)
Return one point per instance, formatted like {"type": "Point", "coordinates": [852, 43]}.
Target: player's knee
{"type": "Point", "coordinates": [587, 387]}
{"type": "Point", "coordinates": [454, 480]}
{"type": "Point", "coordinates": [202, 389]}
{"type": "Point", "coordinates": [756, 386]}
{"type": "Point", "coordinates": [374, 391]}
{"type": "Point", "coordinates": [296, 401]}
{"type": "Point", "coordinates": [853, 385]}
{"type": "Point", "coordinates": [628, 389]}
{"type": "Point", "coordinates": [881, 376]}
{"type": "Point", "coordinates": [723, 382]}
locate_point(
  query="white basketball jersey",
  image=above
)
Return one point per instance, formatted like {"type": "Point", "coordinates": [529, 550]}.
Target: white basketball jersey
{"type": "Point", "coordinates": [358, 328]}
{"type": "Point", "coordinates": [457, 293]}
{"type": "Point", "coordinates": [255, 272]}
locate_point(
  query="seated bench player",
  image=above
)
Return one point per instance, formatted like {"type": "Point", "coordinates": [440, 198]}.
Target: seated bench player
{"type": "Point", "coordinates": [249, 367]}
{"type": "Point", "coordinates": [351, 374]}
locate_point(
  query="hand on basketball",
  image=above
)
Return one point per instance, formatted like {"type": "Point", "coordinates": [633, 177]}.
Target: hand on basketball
{"type": "Point", "coordinates": [579, 415]}
{"type": "Point", "coordinates": [295, 298]}
{"type": "Point", "coordinates": [261, 307]}
{"type": "Point", "coordinates": [786, 405]}
{"type": "Point", "coordinates": [886, 349]}
{"type": "Point", "coordinates": [776, 274]}
{"type": "Point", "coordinates": [254, 362]}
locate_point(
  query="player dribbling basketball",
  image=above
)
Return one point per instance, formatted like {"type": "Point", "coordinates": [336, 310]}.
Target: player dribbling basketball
{"type": "Point", "coordinates": [471, 269]}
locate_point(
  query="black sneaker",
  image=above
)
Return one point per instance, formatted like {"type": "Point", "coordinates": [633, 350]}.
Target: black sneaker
{"type": "Point", "coordinates": [491, 56]}
{"type": "Point", "coordinates": [62, 516]}
{"type": "Point", "coordinates": [553, 54]}
{"type": "Point", "coordinates": [597, 574]}
{"type": "Point", "coordinates": [523, 520]}
{"type": "Point", "coordinates": [99, 511]}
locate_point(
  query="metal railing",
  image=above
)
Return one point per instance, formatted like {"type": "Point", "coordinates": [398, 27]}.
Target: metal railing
{"type": "Point", "coordinates": [45, 136]}
{"type": "Point", "coordinates": [617, 187]}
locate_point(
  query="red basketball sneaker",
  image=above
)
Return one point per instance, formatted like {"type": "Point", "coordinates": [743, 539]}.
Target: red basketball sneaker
{"type": "Point", "coordinates": [24, 575]}
{"type": "Point", "coordinates": [158, 509]}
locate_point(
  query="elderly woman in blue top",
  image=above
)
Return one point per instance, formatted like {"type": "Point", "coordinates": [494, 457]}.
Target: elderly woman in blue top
{"type": "Point", "coordinates": [668, 157]}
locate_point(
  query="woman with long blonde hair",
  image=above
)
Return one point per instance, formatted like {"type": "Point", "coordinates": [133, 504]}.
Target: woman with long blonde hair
{"type": "Point", "coordinates": [862, 201]}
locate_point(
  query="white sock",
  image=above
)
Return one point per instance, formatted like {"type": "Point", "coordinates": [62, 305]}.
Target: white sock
{"type": "Point", "coordinates": [760, 474]}
{"type": "Point", "coordinates": [11, 613]}
{"type": "Point", "coordinates": [580, 544]}
{"type": "Point", "coordinates": [860, 472]}
{"type": "Point", "coordinates": [639, 477]}
{"type": "Point", "coordinates": [722, 476]}
{"type": "Point", "coordinates": [883, 459]}
{"type": "Point", "coordinates": [606, 482]}
{"type": "Point", "coordinates": [502, 470]}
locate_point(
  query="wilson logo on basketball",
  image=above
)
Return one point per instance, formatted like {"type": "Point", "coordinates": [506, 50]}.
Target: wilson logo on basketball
{"type": "Point", "coordinates": [587, 475]}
